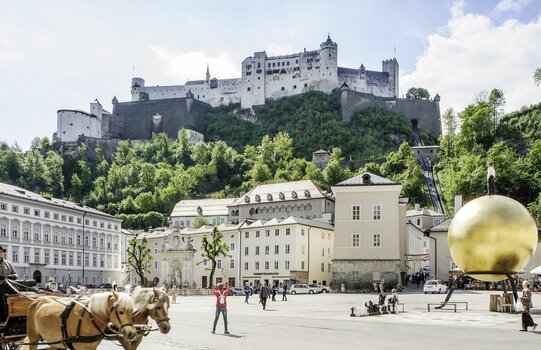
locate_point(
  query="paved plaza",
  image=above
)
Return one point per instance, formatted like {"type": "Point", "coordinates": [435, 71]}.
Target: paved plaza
{"type": "Point", "coordinates": [323, 322]}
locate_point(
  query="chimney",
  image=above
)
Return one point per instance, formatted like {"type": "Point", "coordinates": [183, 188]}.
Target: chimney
{"type": "Point", "coordinates": [458, 203]}
{"type": "Point", "coordinates": [417, 206]}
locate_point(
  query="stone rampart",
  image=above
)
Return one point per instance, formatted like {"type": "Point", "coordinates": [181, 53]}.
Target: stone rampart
{"type": "Point", "coordinates": [425, 112]}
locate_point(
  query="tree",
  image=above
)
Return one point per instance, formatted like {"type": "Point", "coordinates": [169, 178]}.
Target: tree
{"type": "Point", "coordinates": [139, 257]}
{"type": "Point", "coordinates": [450, 122]}
{"type": "Point", "coordinates": [537, 76]}
{"type": "Point", "coordinates": [417, 94]}
{"type": "Point", "coordinates": [143, 96]}
{"type": "Point", "coordinates": [213, 248]}
{"type": "Point", "coordinates": [200, 221]}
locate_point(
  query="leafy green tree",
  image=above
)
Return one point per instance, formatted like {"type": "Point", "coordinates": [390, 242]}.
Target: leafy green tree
{"type": "Point", "coordinates": [537, 76]}
{"type": "Point", "coordinates": [260, 173]}
{"type": "Point", "coordinates": [450, 122]}
{"type": "Point", "coordinates": [11, 163]}
{"type": "Point", "coordinates": [213, 247]}
{"type": "Point", "coordinates": [54, 163]}
{"type": "Point", "coordinates": [402, 167]}
{"type": "Point", "coordinates": [143, 96]}
{"type": "Point", "coordinates": [477, 129]}
{"type": "Point", "coordinates": [200, 221]}
{"type": "Point", "coordinates": [36, 177]}
{"type": "Point", "coordinates": [139, 258]}
{"type": "Point", "coordinates": [417, 94]}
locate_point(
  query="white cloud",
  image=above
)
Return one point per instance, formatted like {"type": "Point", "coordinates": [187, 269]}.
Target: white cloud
{"type": "Point", "coordinates": [511, 5]}
{"type": "Point", "coordinates": [477, 55]}
{"type": "Point", "coordinates": [274, 49]}
{"type": "Point", "coordinates": [192, 65]}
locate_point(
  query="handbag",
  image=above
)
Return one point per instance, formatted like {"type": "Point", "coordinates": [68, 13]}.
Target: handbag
{"type": "Point", "coordinates": [518, 306]}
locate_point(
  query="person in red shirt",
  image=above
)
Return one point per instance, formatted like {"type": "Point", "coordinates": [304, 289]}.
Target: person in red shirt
{"type": "Point", "coordinates": [221, 294]}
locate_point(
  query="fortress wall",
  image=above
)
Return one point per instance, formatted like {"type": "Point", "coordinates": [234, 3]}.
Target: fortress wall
{"type": "Point", "coordinates": [134, 120]}
{"type": "Point", "coordinates": [426, 112]}
{"type": "Point", "coordinates": [226, 92]}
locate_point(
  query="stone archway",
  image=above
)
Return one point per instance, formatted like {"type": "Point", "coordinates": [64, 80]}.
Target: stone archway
{"type": "Point", "coordinates": [37, 276]}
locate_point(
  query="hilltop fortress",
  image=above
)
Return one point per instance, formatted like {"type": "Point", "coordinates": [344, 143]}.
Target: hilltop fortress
{"type": "Point", "coordinates": [168, 109]}
{"type": "Point", "coordinates": [271, 77]}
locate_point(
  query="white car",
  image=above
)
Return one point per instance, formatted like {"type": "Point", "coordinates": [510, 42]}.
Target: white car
{"type": "Point", "coordinates": [303, 289]}
{"type": "Point", "coordinates": [320, 287]}
{"type": "Point", "coordinates": [434, 286]}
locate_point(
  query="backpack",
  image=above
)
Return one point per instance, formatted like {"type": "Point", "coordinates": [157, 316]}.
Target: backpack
{"type": "Point", "coordinates": [221, 299]}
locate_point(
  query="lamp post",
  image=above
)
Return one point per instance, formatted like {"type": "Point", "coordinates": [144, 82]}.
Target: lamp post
{"type": "Point", "coordinates": [84, 243]}
{"type": "Point", "coordinates": [69, 277]}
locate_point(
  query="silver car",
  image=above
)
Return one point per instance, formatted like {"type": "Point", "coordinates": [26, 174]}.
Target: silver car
{"type": "Point", "coordinates": [320, 287]}
{"type": "Point", "coordinates": [303, 289]}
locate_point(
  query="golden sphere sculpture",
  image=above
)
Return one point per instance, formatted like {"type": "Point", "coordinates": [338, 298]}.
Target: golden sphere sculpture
{"type": "Point", "coordinates": [492, 236]}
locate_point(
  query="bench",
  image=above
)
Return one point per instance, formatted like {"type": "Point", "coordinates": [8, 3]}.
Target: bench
{"type": "Point", "coordinates": [453, 303]}
{"type": "Point", "coordinates": [458, 302]}
{"type": "Point", "coordinates": [440, 304]}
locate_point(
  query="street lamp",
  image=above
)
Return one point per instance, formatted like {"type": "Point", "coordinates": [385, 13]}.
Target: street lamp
{"type": "Point", "coordinates": [84, 243]}
{"type": "Point", "coordinates": [69, 277]}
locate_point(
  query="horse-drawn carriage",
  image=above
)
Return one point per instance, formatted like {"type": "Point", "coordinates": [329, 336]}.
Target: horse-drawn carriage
{"type": "Point", "coordinates": [34, 318]}
{"type": "Point", "coordinates": [13, 323]}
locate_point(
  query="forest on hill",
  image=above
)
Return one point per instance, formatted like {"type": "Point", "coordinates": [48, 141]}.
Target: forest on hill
{"type": "Point", "coordinates": [142, 183]}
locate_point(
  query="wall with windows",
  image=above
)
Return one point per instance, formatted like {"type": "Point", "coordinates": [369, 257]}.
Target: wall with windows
{"type": "Point", "coordinates": [370, 233]}
{"type": "Point", "coordinates": [44, 240]}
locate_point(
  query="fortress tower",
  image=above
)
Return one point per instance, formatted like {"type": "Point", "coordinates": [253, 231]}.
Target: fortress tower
{"type": "Point", "coordinates": [136, 85]}
{"type": "Point", "coordinates": [391, 67]}
{"type": "Point", "coordinates": [328, 53]}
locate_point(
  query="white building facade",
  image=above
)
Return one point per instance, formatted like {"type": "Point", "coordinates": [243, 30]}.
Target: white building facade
{"type": "Point", "coordinates": [48, 238]}
{"type": "Point", "coordinates": [370, 232]}
{"type": "Point", "coordinates": [293, 250]}
{"type": "Point", "coordinates": [214, 211]}
{"type": "Point", "coordinates": [302, 199]}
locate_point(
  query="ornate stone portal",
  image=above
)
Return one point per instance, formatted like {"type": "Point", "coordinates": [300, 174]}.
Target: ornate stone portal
{"type": "Point", "coordinates": [177, 260]}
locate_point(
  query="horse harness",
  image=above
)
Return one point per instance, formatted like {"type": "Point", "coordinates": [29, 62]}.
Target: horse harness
{"type": "Point", "coordinates": [68, 341]}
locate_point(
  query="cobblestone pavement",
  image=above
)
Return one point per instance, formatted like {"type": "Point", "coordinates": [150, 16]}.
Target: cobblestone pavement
{"type": "Point", "coordinates": [324, 322]}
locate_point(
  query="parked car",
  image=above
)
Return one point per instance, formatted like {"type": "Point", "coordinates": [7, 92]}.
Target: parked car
{"type": "Point", "coordinates": [105, 286]}
{"type": "Point", "coordinates": [320, 287]}
{"type": "Point", "coordinates": [434, 286]}
{"type": "Point", "coordinates": [237, 291]}
{"type": "Point", "coordinates": [303, 289]}
{"type": "Point", "coordinates": [425, 269]}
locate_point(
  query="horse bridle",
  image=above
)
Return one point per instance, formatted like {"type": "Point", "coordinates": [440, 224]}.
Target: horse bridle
{"type": "Point", "coordinates": [122, 325]}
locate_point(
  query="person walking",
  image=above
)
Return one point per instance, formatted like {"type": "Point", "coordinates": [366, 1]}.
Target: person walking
{"type": "Point", "coordinates": [247, 292]}
{"type": "Point", "coordinates": [221, 292]}
{"type": "Point", "coordinates": [274, 291]}
{"type": "Point", "coordinates": [381, 290]}
{"type": "Point", "coordinates": [284, 292]}
{"type": "Point", "coordinates": [526, 300]}
{"type": "Point", "coordinates": [174, 294]}
{"type": "Point", "coordinates": [264, 295]}
{"type": "Point", "coordinates": [393, 300]}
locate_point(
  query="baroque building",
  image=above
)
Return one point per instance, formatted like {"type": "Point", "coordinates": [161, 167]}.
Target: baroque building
{"type": "Point", "coordinates": [49, 238]}
{"type": "Point", "coordinates": [292, 250]}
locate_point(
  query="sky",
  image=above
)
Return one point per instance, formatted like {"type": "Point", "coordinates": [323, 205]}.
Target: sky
{"type": "Point", "coordinates": [64, 54]}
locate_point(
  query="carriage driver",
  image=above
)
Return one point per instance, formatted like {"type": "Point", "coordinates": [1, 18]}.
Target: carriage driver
{"type": "Point", "coordinates": [6, 271]}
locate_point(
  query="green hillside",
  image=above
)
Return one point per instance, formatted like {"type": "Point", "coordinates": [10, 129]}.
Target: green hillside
{"type": "Point", "coordinates": [314, 122]}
